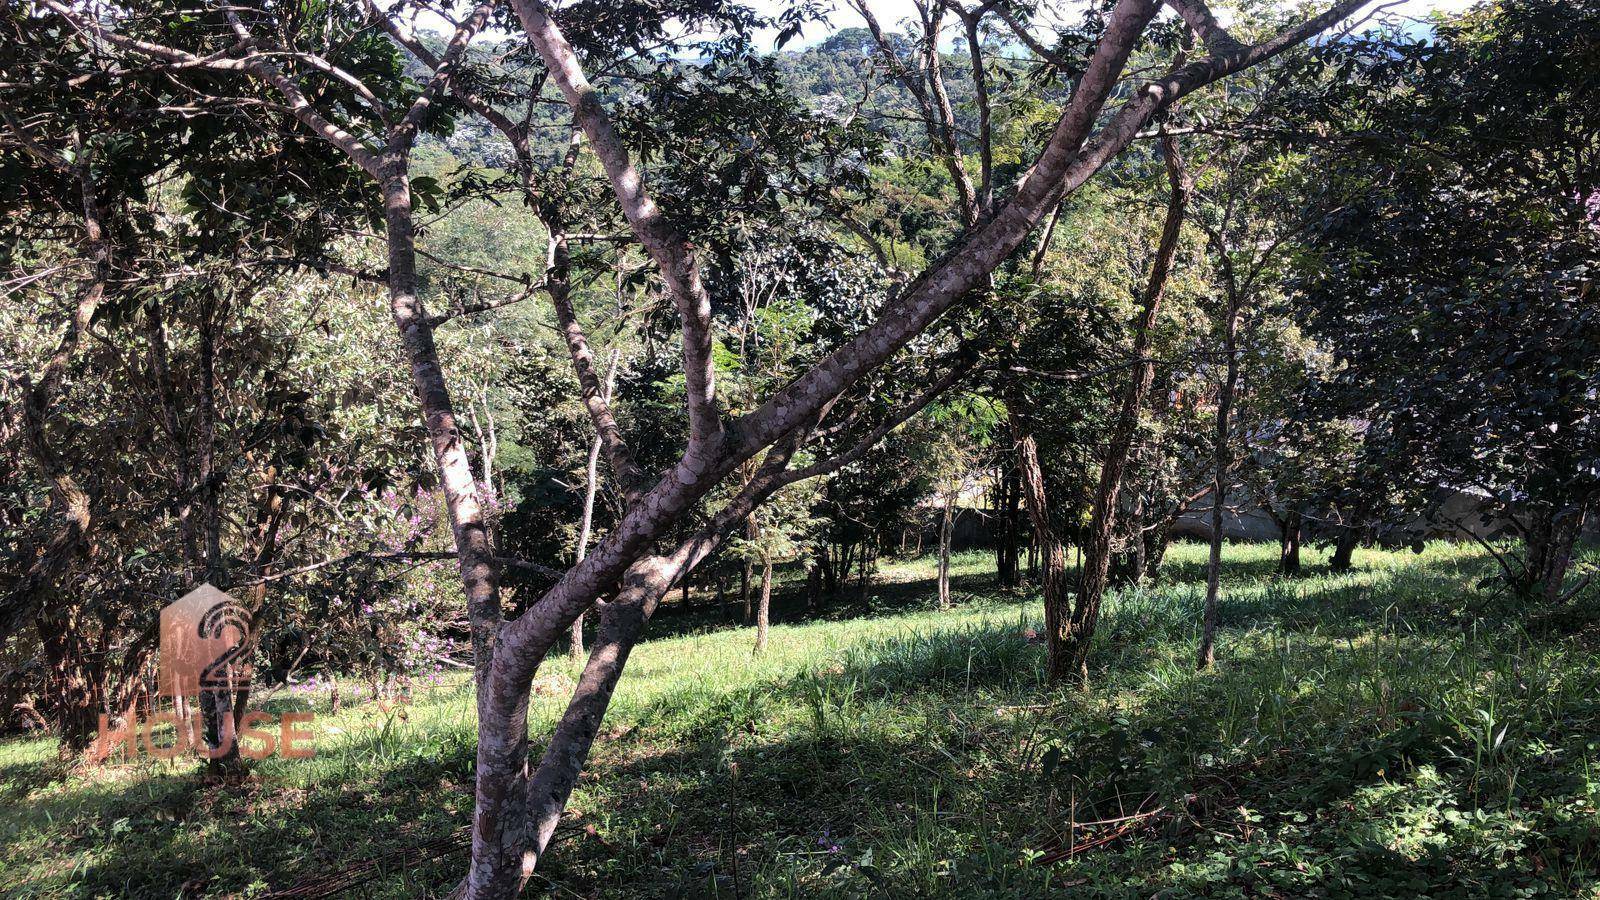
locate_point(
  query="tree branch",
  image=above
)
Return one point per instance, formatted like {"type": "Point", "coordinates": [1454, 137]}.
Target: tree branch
{"type": "Point", "coordinates": [1198, 16]}
{"type": "Point", "coordinates": [671, 250]}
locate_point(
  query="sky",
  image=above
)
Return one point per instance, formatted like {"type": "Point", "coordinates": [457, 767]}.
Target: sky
{"type": "Point", "coordinates": [891, 12]}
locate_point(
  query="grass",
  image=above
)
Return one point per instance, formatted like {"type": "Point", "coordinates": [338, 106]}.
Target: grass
{"type": "Point", "coordinates": [1391, 732]}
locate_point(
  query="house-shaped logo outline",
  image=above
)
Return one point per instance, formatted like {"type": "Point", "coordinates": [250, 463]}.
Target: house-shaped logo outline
{"type": "Point", "coordinates": [204, 638]}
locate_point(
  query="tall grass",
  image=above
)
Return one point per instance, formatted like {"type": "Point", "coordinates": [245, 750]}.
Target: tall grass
{"type": "Point", "coordinates": [1386, 732]}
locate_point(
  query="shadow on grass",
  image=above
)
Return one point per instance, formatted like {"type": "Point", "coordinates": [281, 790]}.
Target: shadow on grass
{"type": "Point", "coordinates": [1253, 592]}
{"type": "Point", "coordinates": [790, 603]}
{"type": "Point", "coordinates": [178, 833]}
{"type": "Point", "coordinates": [926, 749]}
{"type": "Point", "coordinates": [1329, 768]}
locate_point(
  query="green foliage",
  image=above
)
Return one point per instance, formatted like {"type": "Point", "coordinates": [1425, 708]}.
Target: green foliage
{"type": "Point", "coordinates": [1455, 283]}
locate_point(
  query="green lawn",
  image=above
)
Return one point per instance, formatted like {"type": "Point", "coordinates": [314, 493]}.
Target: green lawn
{"type": "Point", "coordinates": [1393, 732]}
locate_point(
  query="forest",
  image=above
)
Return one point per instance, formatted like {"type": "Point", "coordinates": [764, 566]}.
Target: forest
{"type": "Point", "coordinates": [730, 448]}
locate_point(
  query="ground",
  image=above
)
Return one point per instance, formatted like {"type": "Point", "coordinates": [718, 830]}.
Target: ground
{"type": "Point", "coordinates": [1398, 731]}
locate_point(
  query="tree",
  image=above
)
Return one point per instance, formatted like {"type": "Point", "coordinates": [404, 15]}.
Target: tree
{"type": "Point", "coordinates": [1456, 284]}
{"type": "Point", "coordinates": [168, 276]}
{"type": "Point", "coordinates": [516, 814]}
{"type": "Point", "coordinates": [963, 427]}
{"type": "Point", "coordinates": [1070, 635]}
{"type": "Point", "coordinates": [1250, 233]}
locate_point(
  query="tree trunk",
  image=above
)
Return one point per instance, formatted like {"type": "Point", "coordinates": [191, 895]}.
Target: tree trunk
{"type": "Point", "coordinates": [830, 573]}
{"type": "Point", "coordinates": [1156, 541]}
{"type": "Point", "coordinates": [479, 574]}
{"type": "Point", "coordinates": [764, 609]}
{"type": "Point", "coordinates": [1344, 548]}
{"type": "Point", "coordinates": [1127, 565]}
{"type": "Point", "coordinates": [75, 689]}
{"type": "Point", "coordinates": [1052, 555]}
{"type": "Point", "coordinates": [945, 527]}
{"type": "Point", "coordinates": [1549, 552]}
{"type": "Point", "coordinates": [1289, 545]}
{"type": "Point", "coordinates": [864, 581]}
{"type": "Point", "coordinates": [1072, 657]}
{"type": "Point", "coordinates": [1206, 655]}
{"type": "Point", "coordinates": [745, 572]}
{"type": "Point", "coordinates": [591, 471]}
{"type": "Point", "coordinates": [847, 562]}
{"type": "Point", "coordinates": [1008, 492]}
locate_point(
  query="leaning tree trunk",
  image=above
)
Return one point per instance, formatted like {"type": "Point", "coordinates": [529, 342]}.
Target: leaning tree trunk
{"type": "Point", "coordinates": [480, 575]}
{"type": "Point", "coordinates": [1206, 655]}
{"type": "Point", "coordinates": [1071, 657]}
